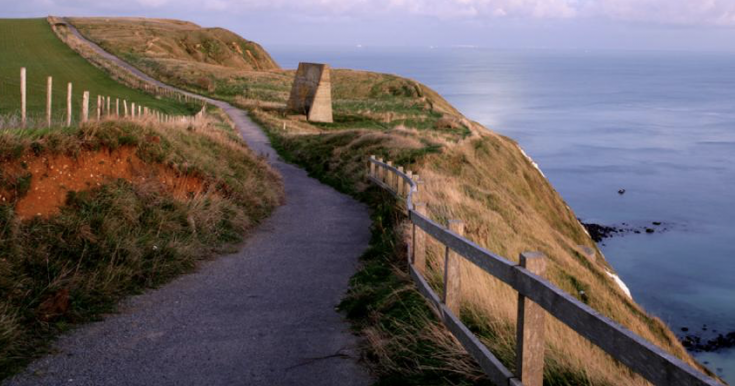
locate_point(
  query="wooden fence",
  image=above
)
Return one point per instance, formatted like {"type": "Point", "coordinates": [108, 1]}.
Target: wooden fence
{"type": "Point", "coordinates": [107, 107]}
{"type": "Point", "coordinates": [536, 298]}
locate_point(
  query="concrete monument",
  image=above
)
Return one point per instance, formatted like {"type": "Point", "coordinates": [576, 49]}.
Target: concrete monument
{"type": "Point", "coordinates": [311, 93]}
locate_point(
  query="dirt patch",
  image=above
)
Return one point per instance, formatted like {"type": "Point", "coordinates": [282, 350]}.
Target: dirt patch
{"type": "Point", "coordinates": [52, 177]}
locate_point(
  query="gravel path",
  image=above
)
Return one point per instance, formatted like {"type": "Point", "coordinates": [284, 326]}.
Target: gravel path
{"type": "Point", "coordinates": [263, 316]}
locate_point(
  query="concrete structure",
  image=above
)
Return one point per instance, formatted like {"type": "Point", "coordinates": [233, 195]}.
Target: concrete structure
{"type": "Point", "coordinates": [311, 93]}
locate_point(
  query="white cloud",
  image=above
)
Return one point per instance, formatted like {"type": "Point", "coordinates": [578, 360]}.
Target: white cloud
{"type": "Point", "coordinates": [676, 12]}
{"type": "Point", "coordinates": [686, 12]}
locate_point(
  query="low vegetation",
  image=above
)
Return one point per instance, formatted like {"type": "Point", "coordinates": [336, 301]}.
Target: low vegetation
{"type": "Point", "coordinates": [158, 199]}
{"type": "Point", "coordinates": [469, 173]}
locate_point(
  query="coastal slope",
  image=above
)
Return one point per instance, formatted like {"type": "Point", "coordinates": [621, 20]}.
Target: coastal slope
{"type": "Point", "coordinates": [470, 173]}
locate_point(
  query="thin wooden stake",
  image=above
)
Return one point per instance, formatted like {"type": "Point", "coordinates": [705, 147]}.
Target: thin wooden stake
{"type": "Point", "coordinates": [452, 277]}
{"type": "Point", "coordinates": [85, 106]}
{"type": "Point", "coordinates": [371, 167]}
{"type": "Point", "coordinates": [68, 104]}
{"type": "Point", "coordinates": [23, 96]}
{"type": "Point", "coordinates": [132, 115]}
{"type": "Point", "coordinates": [99, 107]}
{"type": "Point", "coordinates": [117, 107]}
{"type": "Point", "coordinates": [108, 107]}
{"type": "Point", "coordinates": [530, 328]}
{"type": "Point", "coordinates": [125, 108]}
{"type": "Point", "coordinates": [49, 88]}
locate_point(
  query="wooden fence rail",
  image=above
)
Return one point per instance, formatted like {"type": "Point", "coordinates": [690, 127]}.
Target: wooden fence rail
{"type": "Point", "coordinates": [536, 297]}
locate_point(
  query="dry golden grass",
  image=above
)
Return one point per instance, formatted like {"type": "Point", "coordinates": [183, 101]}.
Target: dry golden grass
{"type": "Point", "coordinates": [509, 208]}
{"type": "Point", "coordinates": [177, 40]}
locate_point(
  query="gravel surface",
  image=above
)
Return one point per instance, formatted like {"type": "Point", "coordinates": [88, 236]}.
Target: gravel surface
{"type": "Point", "coordinates": [263, 316]}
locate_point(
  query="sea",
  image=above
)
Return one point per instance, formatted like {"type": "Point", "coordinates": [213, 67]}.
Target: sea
{"type": "Point", "coordinates": [660, 125]}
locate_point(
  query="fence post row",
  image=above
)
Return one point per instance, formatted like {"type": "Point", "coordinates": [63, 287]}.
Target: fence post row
{"type": "Point", "coordinates": [104, 103]}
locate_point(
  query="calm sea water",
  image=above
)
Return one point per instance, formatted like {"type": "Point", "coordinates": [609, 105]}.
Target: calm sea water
{"type": "Point", "coordinates": [660, 125]}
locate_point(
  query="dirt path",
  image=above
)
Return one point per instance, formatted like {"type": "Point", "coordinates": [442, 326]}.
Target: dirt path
{"type": "Point", "coordinates": [262, 316]}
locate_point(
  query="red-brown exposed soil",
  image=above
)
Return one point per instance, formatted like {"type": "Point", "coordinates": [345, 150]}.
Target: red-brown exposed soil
{"type": "Point", "coordinates": [52, 177]}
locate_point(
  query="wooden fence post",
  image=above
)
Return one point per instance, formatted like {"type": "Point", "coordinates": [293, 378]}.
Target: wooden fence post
{"type": "Point", "coordinates": [117, 107]}
{"type": "Point", "coordinates": [108, 107]}
{"type": "Point", "coordinates": [389, 176]}
{"type": "Point", "coordinates": [399, 182]}
{"type": "Point", "coordinates": [419, 241]}
{"type": "Point", "coordinates": [125, 108]}
{"type": "Point", "coordinates": [381, 171]}
{"type": "Point", "coordinates": [452, 264]}
{"type": "Point", "coordinates": [68, 104]}
{"type": "Point", "coordinates": [530, 328]}
{"type": "Point", "coordinates": [23, 96]}
{"type": "Point", "coordinates": [407, 185]}
{"type": "Point", "coordinates": [132, 109]}
{"type": "Point", "coordinates": [85, 106]}
{"type": "Point", "coordinates": [99, 107]}
{"type": "Point", "coordinates": [49, 88]}
{"type": "Point", "coordinates": [140, 111]}
{"type": "Point", "coordinates": [420, 186]}
{"type": "Point", "coordinates": [371, 165]}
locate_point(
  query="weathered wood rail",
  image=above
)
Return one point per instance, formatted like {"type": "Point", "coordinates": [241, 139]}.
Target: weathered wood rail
{"type": "Point", "coordinates": [536, 297]}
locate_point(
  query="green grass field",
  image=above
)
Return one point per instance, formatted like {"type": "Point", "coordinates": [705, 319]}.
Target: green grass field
{"type": "Point", "coordinates": [31, 43]}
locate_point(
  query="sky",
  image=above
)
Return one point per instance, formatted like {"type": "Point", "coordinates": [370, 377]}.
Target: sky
{"type": "Point", "coordinates": [688, 25]}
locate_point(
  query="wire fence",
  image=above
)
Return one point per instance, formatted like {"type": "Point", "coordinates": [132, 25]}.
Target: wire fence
{"type": "Point", "coordinates": [62, 105]}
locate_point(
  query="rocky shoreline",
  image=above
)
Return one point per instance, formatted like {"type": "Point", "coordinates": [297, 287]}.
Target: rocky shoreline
{"type": "Point", "coordinates": [696, 343]}
{"type": "Point", "coordinates": [599, 232]}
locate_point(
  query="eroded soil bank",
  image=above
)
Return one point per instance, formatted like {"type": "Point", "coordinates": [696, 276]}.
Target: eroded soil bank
{"type": "Point", "coordinates": [43, 181]}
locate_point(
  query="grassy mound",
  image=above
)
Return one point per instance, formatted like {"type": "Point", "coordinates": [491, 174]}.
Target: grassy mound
{"type": "Point", "coordinates": [32, 44]}
{"type": "Point", "coordinates": [177, 52]}
{"type": "Point", "coordinates": [122, 234]}
{"type": "Point", "coordinates": [471, 174]}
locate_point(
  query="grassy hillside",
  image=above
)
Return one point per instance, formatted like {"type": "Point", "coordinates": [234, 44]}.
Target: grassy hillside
{"type": "Point", "coordinates": [32, 44]}
{"type": "Point", "coordinates": [471, 174]}
{"type": "Point", "coordinates": [175, 51]}
{"type": "Point", "coordinates": [93, 213]}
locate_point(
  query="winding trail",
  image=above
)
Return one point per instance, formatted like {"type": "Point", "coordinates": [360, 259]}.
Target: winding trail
{"type": "Point", "coordinates": [263, 316]}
